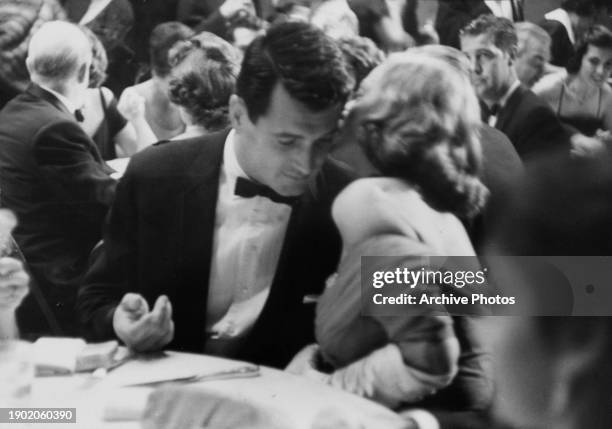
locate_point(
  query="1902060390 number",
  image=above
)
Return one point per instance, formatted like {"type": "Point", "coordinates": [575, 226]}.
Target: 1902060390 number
{"type": "Point", "coordinates": [37, 415]}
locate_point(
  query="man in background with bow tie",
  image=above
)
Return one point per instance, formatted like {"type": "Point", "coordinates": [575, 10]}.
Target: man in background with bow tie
{"type": "Point", "coordinates": [531, 125]}
{"type": "Point", "coordinates": [213, 242]}
{"type": "Point", "coordinates": [53, 177]}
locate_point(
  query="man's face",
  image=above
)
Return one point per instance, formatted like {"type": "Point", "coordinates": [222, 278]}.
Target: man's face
{"type": "Point", "coordinates": [284, 148]}
{"type": "Point", "coordinates": [490, 66]}
{"type": "Point", "coordinates": [530, 62]}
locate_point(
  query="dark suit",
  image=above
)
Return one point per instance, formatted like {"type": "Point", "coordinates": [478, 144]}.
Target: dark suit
{"type": "Point", "coordinates": [53, 178]}
{"type": "Point", "coordinates": [561, 47]}
{"type": "Point", "coordinates": [531, 125]}
{"type": "Point", "coordinates": [159, 240]}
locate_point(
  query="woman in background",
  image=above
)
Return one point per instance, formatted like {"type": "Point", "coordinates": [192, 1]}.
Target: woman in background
{"type": "Point", "coordinates": [114, 136]}
{"type": "Point", "coordinates": [582, 96]}
{"type": "Point", "coordinates": [416, 119]}
{"type": "Point", "coordinates": [161, 115]}
{"type": "Point", "coordinates": [202, 79]}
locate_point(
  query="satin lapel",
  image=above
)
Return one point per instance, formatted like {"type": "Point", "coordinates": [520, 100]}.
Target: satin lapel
{"type": "Point", "coordinates": [198, 202]}
{"type": "Point", "coordinates": [507, 112]}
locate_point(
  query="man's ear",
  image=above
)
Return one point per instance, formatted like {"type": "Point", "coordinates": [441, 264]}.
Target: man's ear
{"type": "Point", "coordinates": [512, 54]}
{"type": "Point", "coordinates": [238, 113]}
{"type": "Point", "coordinates": [82, 73]}
{"type": "Point", "coordinates": [29, 65]}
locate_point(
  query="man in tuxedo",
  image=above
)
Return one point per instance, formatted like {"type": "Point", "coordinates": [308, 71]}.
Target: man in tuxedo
{"type": "Point", "coordinates": [530, 124]}
{"type": "Point", "coordinates": [52, 177]}
{"type": "Point", "coordinates": [213, 242]}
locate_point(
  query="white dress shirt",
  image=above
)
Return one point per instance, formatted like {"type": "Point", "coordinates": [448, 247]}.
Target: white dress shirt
{"type": "Point", "coordinates": [248, 237]}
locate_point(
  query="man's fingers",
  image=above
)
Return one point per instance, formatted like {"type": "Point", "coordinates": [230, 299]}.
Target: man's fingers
{"type": "Point", "coordinates": [163, 340]}
{"type": "Point", "coordinates": [15, 280]}
{"type": "Point", "coordinates": [9, 266]}
{"type": "Point", "coordinates": [162, 312]}
{"type": "Point", "coordinates": [134, 302]}
{"type": "Point", "coordinates": [150, 335]}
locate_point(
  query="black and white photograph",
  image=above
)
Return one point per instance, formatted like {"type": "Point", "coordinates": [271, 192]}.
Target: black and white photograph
{"type": "Point", "coordinates": [306, 214]}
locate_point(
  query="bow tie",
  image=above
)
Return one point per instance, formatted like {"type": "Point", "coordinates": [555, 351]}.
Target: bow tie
{"type": "Point", "coordinates": [487, 111]}
{"type": "Point", "coordinates": [78, 115]}
{"type": "Point", "coordinates": [248, 189]}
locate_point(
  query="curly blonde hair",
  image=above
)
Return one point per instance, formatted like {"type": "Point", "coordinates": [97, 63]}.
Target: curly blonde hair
{"type": "Point", "coordinates": [419, 120]}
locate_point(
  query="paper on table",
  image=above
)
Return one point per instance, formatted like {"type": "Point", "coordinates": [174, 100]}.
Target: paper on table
{"type": "Point", "coordinates": [169, 366]}
{"type": "Point", "coordinates": [56, 355]}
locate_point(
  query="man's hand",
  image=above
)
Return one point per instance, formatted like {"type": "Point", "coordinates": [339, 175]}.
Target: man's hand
{"type": "Point", "coordinates": [140, 329]}
{"type": "Point", "coordinates": [231, 7]}
{"type": "Point", "coordinates": [13, 284]}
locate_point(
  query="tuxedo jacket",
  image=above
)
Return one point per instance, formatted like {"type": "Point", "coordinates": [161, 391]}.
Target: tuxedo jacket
{"type": "Point", "coordinates": [531, 125]}
{"type": "Point", "coordinates": [561, 47]}
{"type": "Point", "coordinates": [54, 179]}
{"type": "Point", "coordinates": [159, 238]}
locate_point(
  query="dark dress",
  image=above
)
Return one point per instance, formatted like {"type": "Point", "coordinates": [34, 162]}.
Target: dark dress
{"type": "Point", "coordinates": [585, 124]}
{"type": "Point", "coordinates": [112, 123]}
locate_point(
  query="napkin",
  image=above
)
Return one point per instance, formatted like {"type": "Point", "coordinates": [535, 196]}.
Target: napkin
{"type": "Point", "coordinates": [59, 356]}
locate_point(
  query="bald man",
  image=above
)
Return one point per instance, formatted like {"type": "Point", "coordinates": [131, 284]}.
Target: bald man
{"type": "Point", "coordinates": [53, 177]}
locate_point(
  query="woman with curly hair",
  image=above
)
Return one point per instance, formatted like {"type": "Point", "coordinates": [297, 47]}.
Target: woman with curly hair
{"type": "Point", "coordinates": [202, 79]}
{"type": "Point", "coordinates": [417, 121]}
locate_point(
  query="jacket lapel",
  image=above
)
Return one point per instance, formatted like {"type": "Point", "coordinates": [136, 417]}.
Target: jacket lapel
{"type": "Point", "coordinates": [197, 204]}
{"type": "Point", "coordinates": [507, 112]}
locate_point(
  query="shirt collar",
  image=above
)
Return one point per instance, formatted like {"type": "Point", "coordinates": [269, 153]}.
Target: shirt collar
{"type": "Point", "coordinates": [502, 101]}
{"type": "Point", "coordinates": [65, 101]}
{"type": "Point", "coordinates": [231, 167]}
{"type": "Point", "coordinates": [560, 15]}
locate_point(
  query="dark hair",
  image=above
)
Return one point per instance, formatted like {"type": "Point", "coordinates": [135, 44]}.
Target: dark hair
{"type": "Point", "coordinates": [587, 8]}
{"type": "Point", "coordinates": [500, 29]}
{"type": "Point", "coordinates": [203, 77]}
{"type": "Point", "coordinates": [420, 124]}
{"type": "Point", "coordinates": [598, 36]}
{"type": "Point", "coordinates": [308, 64]}
{"type": "Point", "coordinates": [362, 56]}
{"type": "Point", "coordinates": [163, 37]}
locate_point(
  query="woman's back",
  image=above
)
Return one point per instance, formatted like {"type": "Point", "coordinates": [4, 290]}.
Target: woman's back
{"type": "Point", "coordinates": [393, 206]}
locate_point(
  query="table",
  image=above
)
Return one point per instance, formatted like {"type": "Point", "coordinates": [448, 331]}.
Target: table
{"type": "Point", "coordinates": [288, 401]}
